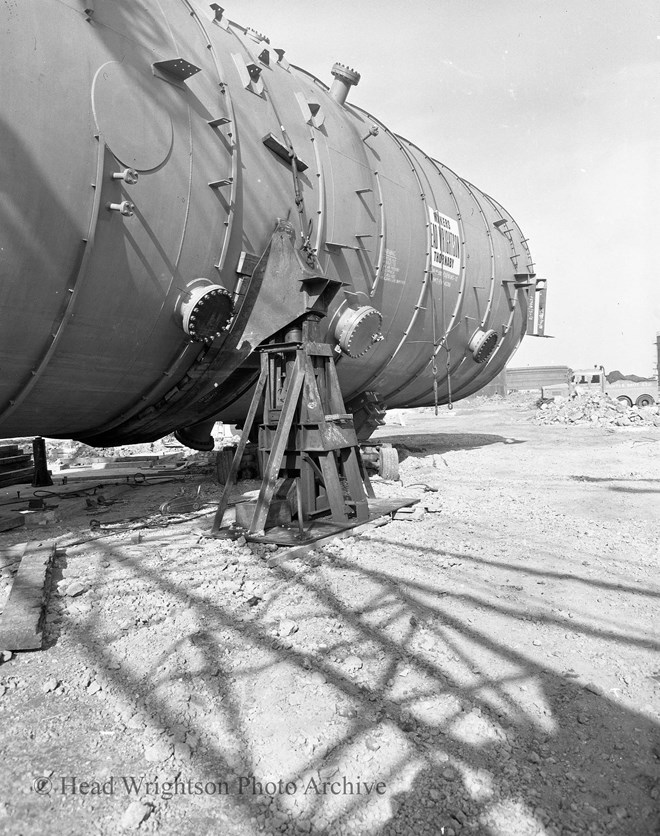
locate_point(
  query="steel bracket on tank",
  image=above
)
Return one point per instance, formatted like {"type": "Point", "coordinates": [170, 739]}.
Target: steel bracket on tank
{"type": "Point", "coordinates": [279, 148]}
{"type": "Point", "coordinates": [281, 60]}
{"type": "Point", "coordinates": [175, 70]}
{"type": "Point", "coordinates": [312, 112]}
{"type": "Point", "coordinates": [250, 75]}
{"type": "Point", "coordinates": [218, 15]}
{"type": "Point", "coordinates": [523, 280]}
{"type": "Point", "coordinates": [284, 265]}
{"type": "Point", "coordinates": [502, 225]}
{"type": "Point", "coordinates": [221, 120]}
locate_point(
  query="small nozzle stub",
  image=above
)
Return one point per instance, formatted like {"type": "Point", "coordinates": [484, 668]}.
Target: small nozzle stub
{"type": "Point", "coordinates": [345, 78]}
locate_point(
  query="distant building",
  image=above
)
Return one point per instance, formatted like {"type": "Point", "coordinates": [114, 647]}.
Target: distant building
{"type": "Point", "coordinates": [532, 378]}
{"type": "Point", "coordinates": [497, 386]}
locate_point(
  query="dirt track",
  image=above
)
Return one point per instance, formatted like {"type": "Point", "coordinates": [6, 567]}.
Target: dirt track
{"type": "Point", "coordinates": [491, 668]}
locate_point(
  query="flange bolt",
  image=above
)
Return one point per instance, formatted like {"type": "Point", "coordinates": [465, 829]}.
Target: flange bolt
{"type": "Point", "coordinates": [128, 175]}
{"type": "Point", "coordinates": [125, 208]}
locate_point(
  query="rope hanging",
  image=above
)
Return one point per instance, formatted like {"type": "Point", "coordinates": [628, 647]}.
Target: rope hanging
{"type": "Point", "coordinates": [438, 345]}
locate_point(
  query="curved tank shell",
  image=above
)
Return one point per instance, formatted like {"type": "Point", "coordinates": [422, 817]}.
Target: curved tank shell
{"type": "Point", "coordinates": [148, 151]}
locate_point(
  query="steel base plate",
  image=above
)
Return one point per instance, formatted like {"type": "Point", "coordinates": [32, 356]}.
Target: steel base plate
{"type": "Point", "coordinates": [323, 528]}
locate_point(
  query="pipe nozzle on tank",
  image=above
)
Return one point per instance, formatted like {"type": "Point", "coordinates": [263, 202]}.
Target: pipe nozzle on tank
{"type": "Point", "coordinates": [345, 78]}
{"type": "Point", "coordinates": [482, 344]}
{"type": "Point", "coordinates": [357, 330]}
{"type": "Point", "coordinates": [198, 436]}
{"type": "Point", "coordinates": [205, 310]}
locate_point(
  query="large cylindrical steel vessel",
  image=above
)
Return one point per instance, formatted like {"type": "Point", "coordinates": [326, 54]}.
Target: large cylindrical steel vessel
{"type": "Point", "coordinates": [148, 151]}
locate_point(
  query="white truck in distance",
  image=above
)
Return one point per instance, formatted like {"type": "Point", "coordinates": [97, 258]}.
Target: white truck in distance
{"type": "Point", "coordinates": [629, 392]}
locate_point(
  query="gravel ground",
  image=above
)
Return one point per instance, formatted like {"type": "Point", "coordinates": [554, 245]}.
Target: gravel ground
{"type": "Point", "coordinates": [489, 666]}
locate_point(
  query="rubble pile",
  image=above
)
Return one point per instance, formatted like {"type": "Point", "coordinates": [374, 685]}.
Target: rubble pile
{"type": "Point", "coordinates": [596, 409]}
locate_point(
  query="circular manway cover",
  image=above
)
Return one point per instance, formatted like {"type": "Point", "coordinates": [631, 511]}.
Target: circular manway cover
{"type": "Point", "coordinates": [130, 117]}
{"type": "Point", "coordinates": [210, 314]}
{"type": "Point", "coordinates": [357, 330]}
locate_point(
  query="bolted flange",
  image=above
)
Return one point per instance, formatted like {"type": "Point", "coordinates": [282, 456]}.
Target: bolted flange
{"type": "Point", "coordinates": [205, 310]}
{"type": "Point", "coordinates": [482, 344]}
{"type": "Point", "coordinates": [345, 78]}
{"type": "Point", "coordinates": [358, 329]}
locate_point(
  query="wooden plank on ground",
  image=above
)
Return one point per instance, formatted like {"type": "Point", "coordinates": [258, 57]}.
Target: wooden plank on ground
{"type": "Point", "coordinates": [9, 521]}
{"type": "Point", "coordinates": [9, 554]}
{"type": "Point", "coordinates": [8, 463]}
{"type": "Point", "coordinates": [21, 623]}
{"type": "Point", "coordinates": [10, 557]}
{"type": "Point", "coordinates": [9, 450]}
{"type": "Point", "coordinates": [17, 477]}
{"type": "Point", "coordinates": [137, 475]}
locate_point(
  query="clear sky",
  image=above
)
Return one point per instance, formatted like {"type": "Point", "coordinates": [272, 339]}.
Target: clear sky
{"type": "Point", "coordinates": [551, 107]}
